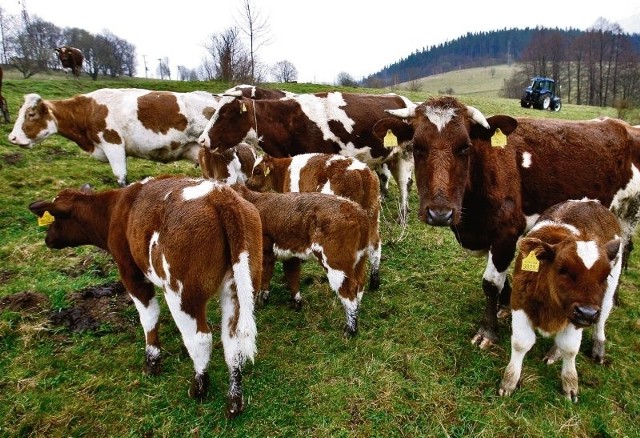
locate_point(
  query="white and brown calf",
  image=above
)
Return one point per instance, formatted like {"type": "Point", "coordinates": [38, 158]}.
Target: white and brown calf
{"type": "Point", "coordinates": [327, 173]}
{"type": "Point", "coordinates": [300, 226]}
{"type": "Point", "coordinates": [230, 166]}
{"type": "Point", "coordinates": [564, 279]}
{"type": "Point", "coordinates": [193, 238]}
{"type": "Point", "coordinates": [113, 124]}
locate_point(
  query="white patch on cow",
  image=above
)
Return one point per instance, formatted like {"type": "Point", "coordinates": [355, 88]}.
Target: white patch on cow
{"type": "Point", "coordinates": [148, 314]}
{"type": "Point", "coordinates": [531, 221]}
{"type": "Point", "coordinates": [439, 116]}
{"type": "Point", "coordinates": [607, 301]}
{"type": "Point", "coordinates": [588, 252]}
{"type": "Point", "coordinates": [522, 330]}
{"type": "Point", "coordinates": [362, 154]}
{"type": "Point", "coordinates": [234, 169]}
{"type": "Point", "coordinates": [526, 160]}
{"type": "Point", "coordinates": [321, 110]}
{"type": "Point", "coordinates": [297, 163]}
{"type": "Point", "coordinates": [246, 327]}
{"type": "Point", "coordinates": [151, 273]}
{"type": "Point", "coordinates": [203, 189]}
{"type": "Point", "coordinates": [335, 276]}
{"type": "Point", "coordinates": [285, 254]}
{"type": "Point", "coordinates": [326, 188]}
{"type": "Point", "coordinates": [624, 204]}
{"type": "Point", "coordinates": [259, 160]}
{"type": "Point", "coordinates": [492, 275]}
{"type": "Point", "coordinates": [335, 157]}
{"type": "Point", "coordinates": [356, 165]}
{"type": "Point", "coordinates": [548, 223]}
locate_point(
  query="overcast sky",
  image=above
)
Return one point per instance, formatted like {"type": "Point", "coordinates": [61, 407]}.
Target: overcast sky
{"type": "Point", "coordinates": [321, 39]}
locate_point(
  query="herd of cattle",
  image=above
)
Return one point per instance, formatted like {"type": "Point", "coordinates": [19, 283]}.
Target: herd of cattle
{"type": "Point", "coordinates": [574, 186]}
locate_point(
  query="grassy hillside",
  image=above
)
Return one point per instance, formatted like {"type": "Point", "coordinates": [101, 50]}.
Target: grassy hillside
{"type": "Point", "coordinates": [411, 371]}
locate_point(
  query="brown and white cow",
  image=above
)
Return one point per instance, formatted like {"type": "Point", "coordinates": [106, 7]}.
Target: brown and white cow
{"type": "Point", "coordinates": [330, 122]}
{"type": "Point", "coordinates": [300, 226]}
{"type": "Point", "coordinates": [326, 173]}
{"type": "Point", "coordinates": [193, 238]}
{"type": "Point", "coordinates": [111, 124]}
{"type": "Point", "coordinates": [254, 92]}
{"type": "Point", "coordinates": [71, 58]}
{"type": "Point", "coordinates": [490, 178]}
{"type": "Point", "coordinates": [230, 166]}
{"type": "Point", "coordinates": [564, 279]}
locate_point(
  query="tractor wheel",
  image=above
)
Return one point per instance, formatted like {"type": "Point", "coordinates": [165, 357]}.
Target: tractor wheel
{"type": "Point", "coordinates": [545, 102]}
{"type": "Point", "coordinates": [524, 104]}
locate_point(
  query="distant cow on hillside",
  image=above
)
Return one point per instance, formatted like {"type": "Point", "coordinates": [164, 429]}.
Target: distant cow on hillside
{"type": "Point", "coordinates": [71, 58]}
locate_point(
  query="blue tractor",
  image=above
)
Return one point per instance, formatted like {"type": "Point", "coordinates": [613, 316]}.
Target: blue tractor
{"type": "Point", "coordinates": [541, 94]}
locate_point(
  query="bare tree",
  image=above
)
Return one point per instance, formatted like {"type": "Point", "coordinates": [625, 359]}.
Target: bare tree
{"type": "Point", "coordinates": [256, 28]}
{"type": "Point", "coordinates": [163, 68]}
{"type": "Point", "coordinates": [230, 59]}
{"type": "Point", "coordinates": [284, 71]}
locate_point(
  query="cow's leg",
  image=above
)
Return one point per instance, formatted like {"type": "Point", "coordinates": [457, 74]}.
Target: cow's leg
{"type": "Point", "coordinates": [493, 281]}
{"type": "Point", "coordinates": [384, 175]}
{"type": "Point", "coordinates": [350, 292]}
{"type": "Point", "coordinates": [117, 158]}
{"type": "Point", "coordinates": [504, 306]}
{"type": "Point", "coordinates": [142, 293]}
{"type": "Point", "coordinates": [235, 352]}
{"type": "Point", "coordinates": [268, 265]}
{"type": "Point", "coordinates": [291, 269]}
{"type": "Point", "coordinates": [598, 337]}
{"type": "Point", "coordinates": [375, 255]}
{"type": "Point", "coordinates": [568, 342]}
{"type": "Point", "coordinates": [196, 335]}
{"type": "Point", "coordinates": [522, 339]}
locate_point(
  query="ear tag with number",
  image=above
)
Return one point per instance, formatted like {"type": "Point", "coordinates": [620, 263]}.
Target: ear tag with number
{"type": "Point", "coordinates": [46, 219]}
{"type": "Point", "coordinates": [243, 108]}
{"type": "Point", "coordinates": [390, 140]}
{"type": "Point", "coordinates": [498, 139]}
{"type": "Point", "coordinates": [531, 263]}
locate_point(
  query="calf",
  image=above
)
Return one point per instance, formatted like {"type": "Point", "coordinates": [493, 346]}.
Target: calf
{"type": "Point", "coordinates": [327, 173]}
{"type": "Point", "coordinates": [230, 166]}
{"type": "Point", "coordinates": [112, 124]}
{"type": "Point", "coordinates": [71, 59]}
{"type": "Point", "coordinates": [564, 279]}
{"type": "Point", "coordinates": [193, 238]}
{"type": "Point", "coordinates": [298, 226]}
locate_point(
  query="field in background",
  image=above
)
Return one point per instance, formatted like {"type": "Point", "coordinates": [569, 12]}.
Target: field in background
{"type": "Point", "coordinates": [411, 370]}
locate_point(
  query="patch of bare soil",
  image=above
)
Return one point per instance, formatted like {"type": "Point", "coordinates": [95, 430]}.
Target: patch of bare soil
{"type": "Point", "coordinates": [90, 308]}
{"type": "Point", "coordinates": [13, 158]}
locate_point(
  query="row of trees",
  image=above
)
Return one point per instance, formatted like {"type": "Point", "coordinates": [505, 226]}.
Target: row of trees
{"type": "Point", "coordinates": [598, 67]}
{"type": "Point", "coordinates": [28, 42]}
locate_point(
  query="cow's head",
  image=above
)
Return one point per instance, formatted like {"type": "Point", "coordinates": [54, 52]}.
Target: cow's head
{"type": "Point", "coordinates": [34, 122]}
{"type": "Point", "coordinates": [443, 133]}
{"type": "Point", "coordinates": [232, 123]}
{"type": "Point", "coordinates": [573, 275]}
{"type": "Point", "coordinates": [65, 228]}
{"type": "Point", "coordinates": [261, 179]}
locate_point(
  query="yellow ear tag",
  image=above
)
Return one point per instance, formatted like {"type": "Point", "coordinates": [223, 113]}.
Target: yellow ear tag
{"type": "Point", "coordinates": [390, 140]}
{"type": "Point", "coordinates": [531, 263]}
{"type": "Point", "coordinates": [46, 219]}
{"type": "Point", "coordinates": [267, 171]}
{"type": "Point", "coordinates": [243, 108]}
{"type": "Point", "coordinates": [498, 139]}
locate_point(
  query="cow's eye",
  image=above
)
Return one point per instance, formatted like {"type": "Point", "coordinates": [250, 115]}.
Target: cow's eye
{"type": "Point", "coordinates": [31, 114]}
{"type": "Point", "coordinates": [464, 149]}
{"type": "Point", "coordinates": [563, 271]}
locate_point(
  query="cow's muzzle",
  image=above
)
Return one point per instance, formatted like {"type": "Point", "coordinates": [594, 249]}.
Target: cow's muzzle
{"type": "Point", "coordinates": [438, 217]}
{"type": "Point", "coordinates": [584, 315]}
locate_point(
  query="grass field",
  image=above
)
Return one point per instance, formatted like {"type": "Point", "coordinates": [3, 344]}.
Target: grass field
{"type": "Point", "coordinates": [410, 371]}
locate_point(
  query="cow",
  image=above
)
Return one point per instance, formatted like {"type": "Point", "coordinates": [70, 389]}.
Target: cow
{"type": "Point", "coordinates": [111, 124]}
{"type": "Point", "coordinates": [230, 166]}
{"type": "Point", "coordinates": [300, 226]}
{"type": "Point", "coordinates": [488, 179]}
{"type": "Point", "coordinates": [4, 108]}
{"type": "Point", "coordinates": [326, 173]}
{"type": "Point", "coordinates": [193, 238]}
{"type": "Point", "coordinates": [254, 92]}
{"type": "Point", "coordinates": [329, 122]}
{"type": "Point", "coordinates": [564, 279]}
{"type": "Point", "coordinates": [71, 59]}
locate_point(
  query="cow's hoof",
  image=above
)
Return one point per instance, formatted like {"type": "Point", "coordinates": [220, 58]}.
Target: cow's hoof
{"type": "Point", "coordinates": [199, 386]}
{"type": "Point", "coordinates": [374, 281]}
{"type": "Point", "coordinates": [504, 312]}
{"type": "Point", "coordinates": [552, 355]}
{"type": "Point", "coordinates": [235, 406]}
{"type": "Point", "coordinates": [350, 332]}
{"type": "Point", "coordinates": [597, 352]}
{"type": "Point", "coordinates": [484, 339]}
{"type": "Point", "coordinates": [296, 304]}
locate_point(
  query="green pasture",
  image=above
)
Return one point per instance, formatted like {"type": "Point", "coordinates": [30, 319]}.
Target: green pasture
{"type": "Point", "coordinates": [411, 370]}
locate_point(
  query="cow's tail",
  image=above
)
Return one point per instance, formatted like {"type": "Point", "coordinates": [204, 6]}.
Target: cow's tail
{"type": "Point", "coordinates": [243, 231]}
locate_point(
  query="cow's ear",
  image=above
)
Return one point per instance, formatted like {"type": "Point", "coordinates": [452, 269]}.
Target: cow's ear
{"type": "Point", "coordinates": [506, 124]}
{"type": "Point", "coordinates": [86, 188]}
{"type": "Point", "coordinates": [402, 130]}
{"type": "Point", "coordinates": [543, 251]}
{"type": "Point", "coordinates": [612, 247]}
{"type": "Point", "coordinates": [39, 207]}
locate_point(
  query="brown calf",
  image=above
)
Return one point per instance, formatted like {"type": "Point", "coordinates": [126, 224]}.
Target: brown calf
{"type": "Point", "coordinates": [298, 226]}
{"type": "Point", "coordinates": [564, 279]}
{"type": "Point", "coordinates": [70, 58]}
{"type": "Point", "coordinates": [193, 238]}
{"type": "Point", "coordinates": [327, 173]}
{"type": "Point", "coordinates": [230, 166]}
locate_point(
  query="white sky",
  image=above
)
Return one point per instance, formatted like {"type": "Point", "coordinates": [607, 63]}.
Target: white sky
{"type": "Point", "coordinates": [321, 39]}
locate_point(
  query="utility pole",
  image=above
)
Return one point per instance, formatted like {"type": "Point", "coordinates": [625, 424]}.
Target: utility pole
{"type": "Point", "coordinates": [161, 69]}
{"type": "Point", "coordinates": [146, 69]}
